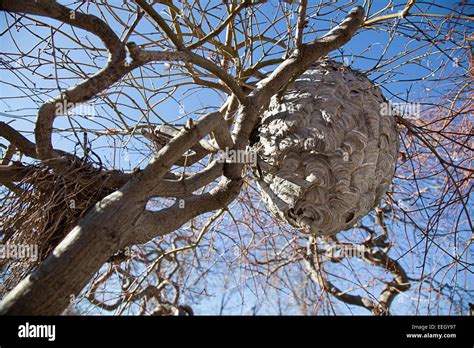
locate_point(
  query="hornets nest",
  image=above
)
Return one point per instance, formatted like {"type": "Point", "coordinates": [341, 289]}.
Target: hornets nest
{"type": "Point", "coordinates": [327, 149]}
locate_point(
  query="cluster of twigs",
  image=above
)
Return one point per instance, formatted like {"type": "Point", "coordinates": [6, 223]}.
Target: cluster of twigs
{"type": "Point", "coordinates": [43, 208]}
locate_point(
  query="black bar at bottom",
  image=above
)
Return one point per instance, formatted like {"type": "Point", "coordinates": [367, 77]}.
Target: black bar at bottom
{"type": "Point", "coordinates": [291, 330]}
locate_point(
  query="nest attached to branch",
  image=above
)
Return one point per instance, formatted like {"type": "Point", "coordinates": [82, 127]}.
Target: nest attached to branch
{"type": "Point", "coordinates": [41, 211]}
{"type": "Point", "coordinates": [327, 150]}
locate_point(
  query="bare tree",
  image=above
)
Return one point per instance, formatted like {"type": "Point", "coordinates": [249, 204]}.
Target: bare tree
{"type": "Point", "coordinates": [163, 227]}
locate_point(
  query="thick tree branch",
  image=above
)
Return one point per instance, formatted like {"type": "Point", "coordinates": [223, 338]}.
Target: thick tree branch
{"type": "Point", "coordinates": [111, 73]}
{"type": "Point", "coordinates": [308, 54]}
{"type": "Point", "coordinates": [185, 187]}
{"type": "Point", "coordinates": [118, 220]}
{"type": "Point", "coordinates": [14, 173]}
{"type": "Point", "coordinates": [152, 224]}
{"type": "Point", "coordinates": [18, 140]}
